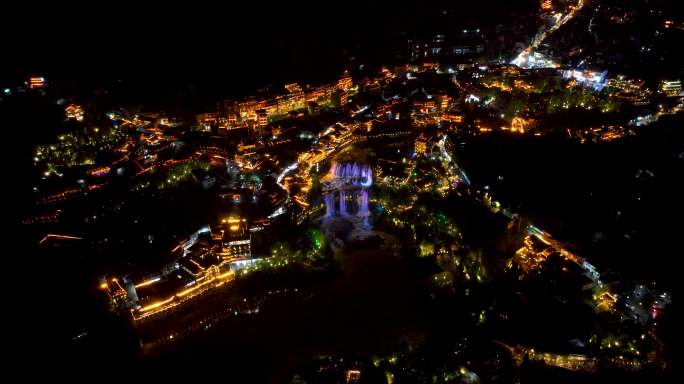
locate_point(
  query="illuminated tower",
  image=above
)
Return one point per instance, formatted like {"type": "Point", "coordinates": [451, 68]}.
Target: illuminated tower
{"type": "Point", "coordinates": [237, 240]}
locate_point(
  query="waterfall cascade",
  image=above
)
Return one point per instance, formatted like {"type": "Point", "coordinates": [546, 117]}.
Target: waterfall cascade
{"type": "Point", "coordinates": [352, 180]}
{"type": "Point", "coordinates": [363, 203]}
{"type": "Point", "coordinates": [357, 174]}
{"type": "Point", "coordinates": [329, 205]}
{"type": "Point", "coordinates": [343, 203]}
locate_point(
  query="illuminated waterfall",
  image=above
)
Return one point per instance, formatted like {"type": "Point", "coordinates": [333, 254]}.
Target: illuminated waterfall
{"type": "Point", "coordinates": [351, 180]}
{"type": "Point", "coordinates": [357, 174]}
{"type": "Point", "coordinates": [343, 203]}
{"type": "Point", "coordinates": [363, 203]}
{"type": "Point", "coordinates": [329, 205]}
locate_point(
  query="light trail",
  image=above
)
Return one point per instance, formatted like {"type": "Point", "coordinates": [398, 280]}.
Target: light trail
{"type": "Point", "coordinates": [148, 282]}
{"type": "Point", "coordinates": [287, 170]}
{"type": "Point", "coordinates": [156, 305]}
{"type": "Point", "coordinates": [362, 110]}
{"type": "Point", "coordinates": [60, 237]}
{"type": "Point", "coordinates": [522, 60]}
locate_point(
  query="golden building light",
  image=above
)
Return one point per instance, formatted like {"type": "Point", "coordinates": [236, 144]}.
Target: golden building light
{"type": "Point", "coordinates": [36, 82]}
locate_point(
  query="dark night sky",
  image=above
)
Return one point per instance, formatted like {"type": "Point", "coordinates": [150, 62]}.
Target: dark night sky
{"type": "Point", "coordinates": [189, 40]}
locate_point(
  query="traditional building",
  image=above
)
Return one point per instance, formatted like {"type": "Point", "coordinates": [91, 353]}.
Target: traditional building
{"type": "Point", "coordinates": [236, 239]}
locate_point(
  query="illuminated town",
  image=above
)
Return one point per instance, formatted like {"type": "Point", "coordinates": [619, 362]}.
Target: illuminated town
{"type": "Point", "coordinates": [492, 198]}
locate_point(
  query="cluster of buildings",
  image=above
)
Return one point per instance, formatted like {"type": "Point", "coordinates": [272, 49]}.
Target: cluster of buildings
{"type": "Point", "coordinates": [572, 362]}
{"type": "Point", "coordinates": [629, 90]}
{"type": "Point", "coordinates": [208, 259]}
{"type": "Point", "coordinates": [256, 112]}
{"type": "Point", "coordinates": [599, 134]}
{"type": "Point", "coordinates": [646, 303]}
{"type": "Point", "coordinates": [32, 84]}
{"type": "Point", "coordinates": [464, 47]}
{"type": "Point", "coordinates": [671, 88]}
{"type": "Point", "coordinates": [591, 79]}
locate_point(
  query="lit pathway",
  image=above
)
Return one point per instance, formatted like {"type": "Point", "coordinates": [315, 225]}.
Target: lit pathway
{"type": "Point", "coordinates": [458, 173]}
